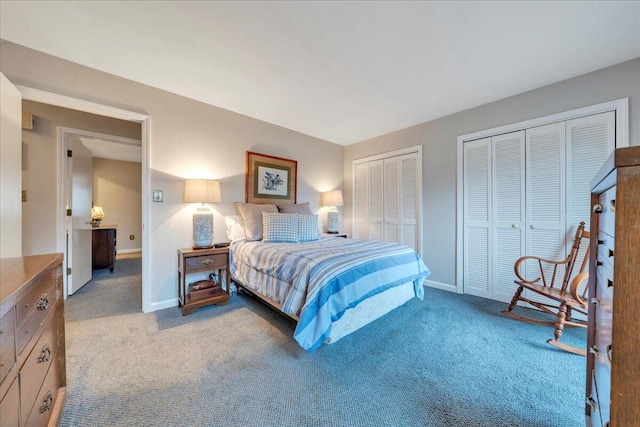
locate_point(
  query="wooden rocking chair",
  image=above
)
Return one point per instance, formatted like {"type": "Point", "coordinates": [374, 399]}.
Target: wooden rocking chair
{"type": "Point", "coordinates": [568, 294]}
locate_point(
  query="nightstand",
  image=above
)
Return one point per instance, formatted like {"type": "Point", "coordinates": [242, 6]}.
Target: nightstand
{"type": "Point", "coordinates": [199, 261]}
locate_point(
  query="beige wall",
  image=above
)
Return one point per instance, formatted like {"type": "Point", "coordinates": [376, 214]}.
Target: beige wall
{"type": "Point", "coordinates": [117, 188]}
{"type": "Point", "coordinates": [189, 139]}
{"type": "Point", "coordinates": [439, 138]}
{"type": "Point", "coordinates": [10, 162]}
{"type": "Point", "coordinates": [40, 164]}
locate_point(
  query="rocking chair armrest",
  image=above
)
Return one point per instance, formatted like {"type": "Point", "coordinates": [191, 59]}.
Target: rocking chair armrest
{"type": "Point", "coordinates": [575, 284]}
{"type": "Point", "coordinates": [516, 266]}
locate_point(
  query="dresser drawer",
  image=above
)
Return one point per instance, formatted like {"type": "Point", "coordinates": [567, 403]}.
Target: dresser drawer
{"type": "Point", "coordinates": [9, 406]}
{"type": "Point", "coordinates": [42, 408]}
{"type": "Point", "coordinates": [7, 343]}
{"type": "Point", "coordinates": [606, 247]}
{"type": "Point", "coordinates": [602, 387]}
{"type": "Point", "coordinates": [607, 219]}
{"type": "Point", "coordinates": [594, 419]}
{"type": "Point", "coordinates": [32, 310]}
{"type": "Point", "coordinates": [37, 364]}
{"type": "Point", "coordinates": [207, 262]}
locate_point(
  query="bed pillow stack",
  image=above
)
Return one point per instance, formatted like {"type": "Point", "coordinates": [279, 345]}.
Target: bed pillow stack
{"type": "Point", "coordinates": [251, 214]}
{"type": "Point", "coordinates": [292, 224]}
{"type": "Point", "coordinates": [300, 208]}
{"type": "Point", "coordinates": [308, 228]}
{"type": "Point", "coordinates": [289, 227]}
{"type": "Point", "coordinates": [280, 228]}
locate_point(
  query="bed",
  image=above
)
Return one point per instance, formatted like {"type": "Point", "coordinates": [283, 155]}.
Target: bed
{"type": "Point", "coordinates": [331, 286]}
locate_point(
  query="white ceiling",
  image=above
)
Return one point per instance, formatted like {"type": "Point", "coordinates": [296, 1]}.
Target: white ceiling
{"type": "Point", "coordinates": [114, 149]}
{"type": "Point", "coordinates": [340, 71]}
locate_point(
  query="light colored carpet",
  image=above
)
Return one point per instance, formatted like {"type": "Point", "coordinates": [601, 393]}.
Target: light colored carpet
{"type": "Point", "coordinates": [452, 360]}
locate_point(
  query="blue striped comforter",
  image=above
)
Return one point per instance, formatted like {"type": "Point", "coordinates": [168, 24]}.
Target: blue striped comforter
{"type": "Point", "coordinates": [318, 281]}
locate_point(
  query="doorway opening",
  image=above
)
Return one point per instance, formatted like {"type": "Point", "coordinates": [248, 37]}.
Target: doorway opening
{"type": "Point", "coordinates": [102, 172]}
{"type": "Point", "coordinates": [107, 111]}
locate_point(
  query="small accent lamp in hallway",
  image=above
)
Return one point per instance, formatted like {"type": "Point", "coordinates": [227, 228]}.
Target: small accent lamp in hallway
{"type": "Point", "coordinates": [202, 191]}
{"type": "Point", "coordinates": [332, 199]}
{"type": "Point", "coordinates": [97, 215]}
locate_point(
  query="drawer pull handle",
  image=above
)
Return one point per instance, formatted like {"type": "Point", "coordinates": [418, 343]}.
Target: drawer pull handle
{"type": "Point", "coordinates": [597, 208]}
{"type": "Point", "coordinates": [595, 301]}
{"type": "Point", "coordinates": [591, 403]}
{"type": "Point", "coordinates": [594, 351]}
{"type": "Point", "coordinates": [207, 261]}
{"type": "Point", "coordinates": [612, 204]}
{"type": "Point", "coordinates": [610, 253]}
{"type": "Point", "coordinates": [609, 352]}
{"type": "Point", "coordinates": [43, 302]}
{"type": "Point", "coordinates": [609, 283]}
{"type": "Point", "coordinates": [46, 353]}
{"type": "Point", "coordinates": [47, 403]}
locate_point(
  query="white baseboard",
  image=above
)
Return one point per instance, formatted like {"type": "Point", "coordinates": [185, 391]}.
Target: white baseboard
{"type": "Point", "coordinates": [440, 285]}
{"type": "Point", "coordinates": [161, 305]}
{"type": "Point", "coordinates": [128, 251]}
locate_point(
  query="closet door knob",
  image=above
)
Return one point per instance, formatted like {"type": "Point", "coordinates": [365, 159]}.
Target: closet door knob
{"type": "Point", "coordinates": [597, 208]}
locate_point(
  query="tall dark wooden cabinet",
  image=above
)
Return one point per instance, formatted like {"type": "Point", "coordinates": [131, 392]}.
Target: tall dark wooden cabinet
{"type": "Point", "coordinates": [613, 358]}
{"type": "Point", "coordinates": [104, 248]}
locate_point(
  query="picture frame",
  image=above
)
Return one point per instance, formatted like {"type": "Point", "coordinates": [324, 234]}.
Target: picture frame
{"type": "Point", "coordinates": [157, 196]}
{"type": "Point", "coordinates": [270, 179]}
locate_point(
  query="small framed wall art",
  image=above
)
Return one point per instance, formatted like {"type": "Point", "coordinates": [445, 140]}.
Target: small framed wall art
{"type": "Point", "coordinates": [157, 195]}
{"type": "Point", "coordinates": [270, 179]}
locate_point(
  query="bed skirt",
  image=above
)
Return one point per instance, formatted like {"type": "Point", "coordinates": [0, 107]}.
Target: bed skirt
{"type": "Point", "coordinates": [354, 318]}
{"type": "Point", "coordinates": [369, 310]}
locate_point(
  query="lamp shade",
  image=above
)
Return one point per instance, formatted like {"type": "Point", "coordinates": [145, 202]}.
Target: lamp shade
{"type": "Point", "coordinates": [332, 198]}
{"type": "Point", "coordinates": [97, 213]}
{"type": "Point", "coordinates": [201, 191]}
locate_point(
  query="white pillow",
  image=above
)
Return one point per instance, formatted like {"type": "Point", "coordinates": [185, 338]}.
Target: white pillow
{"type": "Point", "coordinates": [235, 227]}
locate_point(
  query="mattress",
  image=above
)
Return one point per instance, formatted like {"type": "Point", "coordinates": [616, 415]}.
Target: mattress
{"type": "Point", "coordinates": [318, 282]}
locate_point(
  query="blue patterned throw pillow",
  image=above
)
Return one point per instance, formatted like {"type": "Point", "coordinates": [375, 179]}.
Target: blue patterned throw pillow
{"type": "Point", "coordinates": [279, 227]}
{"type": "Point", "coordinates": [308, 228]}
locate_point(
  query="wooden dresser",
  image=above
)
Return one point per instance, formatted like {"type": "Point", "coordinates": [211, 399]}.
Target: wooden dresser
{"type": "Point", "coordinates": [32, 346]}
{"type": "Point", "coordinates": [613, 359]}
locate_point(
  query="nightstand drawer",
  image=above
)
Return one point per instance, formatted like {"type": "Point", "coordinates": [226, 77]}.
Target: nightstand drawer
{"type": "Point", "coordinates": [208, 262]}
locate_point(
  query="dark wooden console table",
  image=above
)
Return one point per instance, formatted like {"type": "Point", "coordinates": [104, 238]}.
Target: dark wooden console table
{"type": "Point", "coordinates": [104, 248]}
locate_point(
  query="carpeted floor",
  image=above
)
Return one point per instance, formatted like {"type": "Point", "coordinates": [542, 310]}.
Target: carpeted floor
{"type": "Point", "coordinates": [451, 360]}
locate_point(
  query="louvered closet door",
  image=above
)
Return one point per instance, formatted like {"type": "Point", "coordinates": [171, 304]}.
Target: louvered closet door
{"type": "Point", "coordinates": [508, 211]}
{"type": "Point", "coordinates": [477, 217]}
{"type": "Point", "coordinates": [546, 197]}
{"type": "Point", "coordinates": [590, 140]}
{"type": "Point", "coordinates": [376, 204]}
{"type": "Point", "coordinates": [392, 199]}
{"type": "Point", "coordinates": [409, 209]}
{"type": "Point", "coordinates": [362, 202]}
